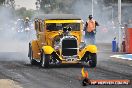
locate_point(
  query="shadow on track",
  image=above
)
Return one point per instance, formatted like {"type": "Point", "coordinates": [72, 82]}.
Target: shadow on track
{"type": "Point", "coordinates": [52, 66]}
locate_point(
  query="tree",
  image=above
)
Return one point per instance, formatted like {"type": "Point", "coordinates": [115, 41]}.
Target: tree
{"type": "Point", "coordinates": [2, 2]}
{"type": "Point", "coordinates": [23, 12]}
{"type": "Point", "coordinates": [115, 1]}
{"type": "Point", "coordinates": [47, 5]}
{"type": "Point", "coordinates": [10, 3]}
{"type": "Point", "coordinates": [58, 6]}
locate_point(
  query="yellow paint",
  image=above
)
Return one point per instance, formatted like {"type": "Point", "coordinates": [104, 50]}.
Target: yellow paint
{"type": "Point", "coordinates": [35, 49]}
{"type": "Point", "coordinates": [63, 21]}
{"type": "Point", "coordinates": [47, 49]}
{"type": "Point", "coordinates": [89, 48]}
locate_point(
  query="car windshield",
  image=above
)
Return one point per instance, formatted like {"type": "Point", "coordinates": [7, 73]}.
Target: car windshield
{"type": "Point", "coordinates": [60, 26]}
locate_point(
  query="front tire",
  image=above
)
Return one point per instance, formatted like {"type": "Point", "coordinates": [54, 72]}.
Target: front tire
{"type": "Point", "coordinates": [45, 59]}
{"type": "Point", "coordinates": [93, 60]}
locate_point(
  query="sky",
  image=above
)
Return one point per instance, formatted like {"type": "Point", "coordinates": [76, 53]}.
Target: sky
{"type": "Point", "coordinates": [29, 4]}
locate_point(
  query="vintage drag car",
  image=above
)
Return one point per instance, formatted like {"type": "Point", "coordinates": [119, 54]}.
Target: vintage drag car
{"type": "Point", "coordinates": [59, 40]}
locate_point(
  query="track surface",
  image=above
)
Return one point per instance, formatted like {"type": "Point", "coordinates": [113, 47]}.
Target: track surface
{"type": "Point", "coordinates": [15, 66]}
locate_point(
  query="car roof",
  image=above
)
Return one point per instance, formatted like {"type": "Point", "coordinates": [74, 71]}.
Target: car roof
{"type": "Point", "coordinates": [58, 17]}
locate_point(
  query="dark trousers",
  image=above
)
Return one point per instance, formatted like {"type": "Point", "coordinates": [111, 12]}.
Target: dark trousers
{"type": "Point", "coordinates": [90, 37]}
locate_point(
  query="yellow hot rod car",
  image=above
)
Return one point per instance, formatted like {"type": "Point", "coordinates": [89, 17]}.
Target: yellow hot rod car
{"type": "Point", "coordinates": [59, 40]}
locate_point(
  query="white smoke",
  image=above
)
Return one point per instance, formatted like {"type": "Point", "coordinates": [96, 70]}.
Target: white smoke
{"type": "Point", "coordinates": [83, 8]}
{"type": "Point", "coordinates": [106, 16]}
{"type": "Point", "coordinates": [11, 45]}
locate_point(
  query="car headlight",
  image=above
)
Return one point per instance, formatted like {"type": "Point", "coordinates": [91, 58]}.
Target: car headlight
{"type": "Point", "coordinates": [82, 45]}
{"type": "Point", "coordinates": [56, 47]}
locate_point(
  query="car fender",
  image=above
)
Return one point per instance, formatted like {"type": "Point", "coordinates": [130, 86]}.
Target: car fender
{"type": "Point", "coordinates": [48, 49]}
{"type": "Point", "coordinates": [91, 48]}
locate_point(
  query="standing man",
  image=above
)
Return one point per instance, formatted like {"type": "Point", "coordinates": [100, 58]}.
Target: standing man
{"type": "Point", "coordinates": [27, 22]}
{"type": "Point", "coordinates": [90, 30]}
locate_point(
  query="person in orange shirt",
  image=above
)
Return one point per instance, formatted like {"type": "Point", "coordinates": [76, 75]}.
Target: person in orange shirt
{"type": "Point", "coordinates": [90, 30]}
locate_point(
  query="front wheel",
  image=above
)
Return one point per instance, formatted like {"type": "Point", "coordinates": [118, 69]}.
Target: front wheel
{"type": "Point", "coordinates": [92, 59]}
{"type": "Point", "coordinates": [45, 59]}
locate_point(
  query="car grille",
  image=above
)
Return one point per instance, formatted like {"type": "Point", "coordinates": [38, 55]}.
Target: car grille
{"type": "Point", "coordinates": [69, 47]}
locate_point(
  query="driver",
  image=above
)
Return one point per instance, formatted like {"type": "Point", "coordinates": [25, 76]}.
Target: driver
{"type": "Point", "coordinates": [27, 22]}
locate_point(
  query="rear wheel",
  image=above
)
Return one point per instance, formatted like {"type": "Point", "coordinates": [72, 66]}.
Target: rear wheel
{"type": "Point", "coordinates": [45, 59]}
{"type": "Point", "coordinates": [92, 59]}
{"type": "Point", "coordinates": [32, 61]}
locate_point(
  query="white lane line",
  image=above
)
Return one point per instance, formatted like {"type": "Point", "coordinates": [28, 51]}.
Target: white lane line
{"type": "Point", "coordinates": [117, 56]}
{"type": "Point", "coordinates": [122, 56]}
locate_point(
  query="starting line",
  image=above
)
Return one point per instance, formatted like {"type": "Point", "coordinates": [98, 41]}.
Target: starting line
{"type": "Point", "coordinates": [125, 56]}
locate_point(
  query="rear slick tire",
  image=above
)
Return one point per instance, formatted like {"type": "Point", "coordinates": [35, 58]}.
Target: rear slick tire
{"type": "Point", "coordinates": [32, 61]}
